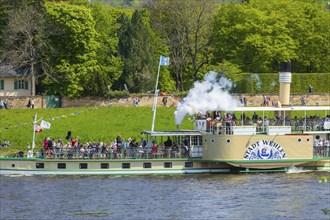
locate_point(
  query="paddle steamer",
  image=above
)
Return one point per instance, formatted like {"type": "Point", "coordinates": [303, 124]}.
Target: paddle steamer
{"type": "Point", "coordinates": [214, 146]}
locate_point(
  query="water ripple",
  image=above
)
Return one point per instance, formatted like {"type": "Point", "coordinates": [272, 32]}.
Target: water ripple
{"type": "Point", "coordinates": [230, 196]}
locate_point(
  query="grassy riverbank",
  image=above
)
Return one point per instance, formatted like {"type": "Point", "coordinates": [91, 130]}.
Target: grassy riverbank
{"type": "Point", "coordinates": [90, 124]}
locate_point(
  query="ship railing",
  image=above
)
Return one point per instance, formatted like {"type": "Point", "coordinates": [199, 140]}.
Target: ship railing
{"type": "Point", "coordinates": [124, 153]}
{"type": "Point", "coordinates": [321, 150]}
{"type": "Point", "coordinates": [296, 126]}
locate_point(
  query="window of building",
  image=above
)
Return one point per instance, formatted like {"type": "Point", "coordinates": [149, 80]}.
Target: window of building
{"type": "Point", "coordinates": [2, 84]}
{"type": "Point", "coordinates": [21, 84]}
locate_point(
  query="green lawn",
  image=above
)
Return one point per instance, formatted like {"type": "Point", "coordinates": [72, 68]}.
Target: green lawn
{"type": "Point", "coordinates": [89, 123]}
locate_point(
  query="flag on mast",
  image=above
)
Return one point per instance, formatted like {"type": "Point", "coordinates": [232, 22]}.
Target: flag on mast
{"type": "Point", "coordinates": [37, 128]}
{"type": "Point", "coordinates": [45, 124]}
{"type": "Point", "coordinates": [164, 61]}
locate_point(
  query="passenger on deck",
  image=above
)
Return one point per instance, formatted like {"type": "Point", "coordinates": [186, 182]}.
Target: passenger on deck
{"type": "Point", "coordinates": [234, 118]}
{"type": "Point", "coordinates": [119, 143]}
{"type": "Point", "coordinates": [175, 151]}
{"type": "Point", "coordinates": [229, 121]}
{"type": "Point", "coordinates": [243, 117]}
{"type": "Point", "coordinates": [287, 121]}
{"type": "Point", "coordinates": [267, 122]}
{"type": "Point", "coordinates": [163, 151]}
{"type": "Point", "coordinates": [154, 150]}
{"type": "Point", "coordinates": [168, 142]}
{"type": "Point", "coordinates": [247, 121]}
{"type": "Point", "coordinates": [259, 124]}
{"type": "Point", "coordinates": [49, 153]}
{"type": "Point", "coordinates": [186, 143]}
{"type": "Point", "coordinates": [254, 117]}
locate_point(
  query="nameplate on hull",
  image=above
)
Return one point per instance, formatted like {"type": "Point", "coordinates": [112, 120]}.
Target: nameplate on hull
{"type": "Point", "coordinates": [264, 150]}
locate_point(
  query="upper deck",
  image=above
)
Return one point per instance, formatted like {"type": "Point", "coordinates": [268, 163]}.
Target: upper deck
{"type": "Point", "coordinates": [267, 120]}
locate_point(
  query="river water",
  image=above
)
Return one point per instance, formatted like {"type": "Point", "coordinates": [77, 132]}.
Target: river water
{"type": "Point", "coordinates": [216, 196]}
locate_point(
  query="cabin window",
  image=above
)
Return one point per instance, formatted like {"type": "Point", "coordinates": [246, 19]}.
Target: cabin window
{"type": "Point", "coordinates": [13, 165]}
{"type": "Point", "coordinates": [196, 140]}
{"type": "Point", "coordinates": [205, 140]}
{"type": "Point", "coordinates": [168, 165]}
{"type": "Point", "coordinates": [21, 84]}
{"type": "Point", "coordinates": [307, 139]}
{"type": "Point", "coordinates": [2, 84]}
{"type": "Point", "coordinates": [317, 137]}
{"type": "Point", "coordinates": [40, 165]}
{"type": "Point", "coordinates": [299, 139]}
{"type": "Point", "coordinates": [228, 141]}
{"type": "Point", "coordinates": [126, 165]}
{"type": "Point", "coordinates": [212, 140]}
{"type": "Point", "coordinates": [146, 165]}
{"type": "Point", "coordinates": [83, 166]}
{"type": "Point", "coordinates": [61, 166]}
{"type": "Point", "coordinates": [188, 164]}
{"type": "Point", "coordinates": [104, 165]}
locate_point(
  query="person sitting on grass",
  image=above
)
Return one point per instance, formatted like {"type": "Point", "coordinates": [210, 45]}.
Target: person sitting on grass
{"type": "Point", "coordinates": [5, 143]}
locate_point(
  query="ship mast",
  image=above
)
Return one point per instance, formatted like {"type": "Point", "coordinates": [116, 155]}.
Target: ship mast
{"type": "Point", "coordinates": [163, 61]}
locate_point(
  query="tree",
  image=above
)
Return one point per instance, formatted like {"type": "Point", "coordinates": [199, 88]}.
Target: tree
{"type": "Point", "coordinates": [23, 41]}
{"type": "Point", "coordinates": [108, 59]}
{"type": "Point", "coordinates": [258, 35]}
{"type": "Point", "coordinates": [136, 49]}
{"type": "Point", "coordinates": [72, 37]}
{"type": "Point", "coordinates": [185, 27]}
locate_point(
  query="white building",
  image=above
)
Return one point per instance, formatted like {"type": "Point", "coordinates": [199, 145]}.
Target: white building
{"type": "Point", "coordinates": [14, 82]}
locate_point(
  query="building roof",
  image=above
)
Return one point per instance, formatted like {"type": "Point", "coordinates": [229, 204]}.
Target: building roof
{"type": "Point", "coordinates": [8, 71]}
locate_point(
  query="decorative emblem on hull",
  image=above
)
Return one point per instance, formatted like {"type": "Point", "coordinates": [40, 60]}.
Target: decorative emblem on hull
{"type": "Point", "coordinates": [264, 150]}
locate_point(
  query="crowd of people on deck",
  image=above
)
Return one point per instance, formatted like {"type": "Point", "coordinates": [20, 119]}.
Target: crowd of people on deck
{"type": "Point", "coordinates": [321, 146]}
{"type": "Point", "coordinates": [218, 120]}
{"type": "Point", "coordinates": [118, 148]}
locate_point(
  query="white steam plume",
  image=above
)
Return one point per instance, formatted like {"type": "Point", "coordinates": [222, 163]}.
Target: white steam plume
{"type": "Point", "coordinates": [210, 95]}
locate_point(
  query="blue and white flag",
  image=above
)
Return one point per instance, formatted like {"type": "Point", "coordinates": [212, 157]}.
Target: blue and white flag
{"type": "Point", "coordinates": [164, 61]}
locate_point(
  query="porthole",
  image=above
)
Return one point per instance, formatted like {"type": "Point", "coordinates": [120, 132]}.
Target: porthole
{"type": "Point", "coordinates": [205, 140]}
{"type": "Point", "coordinates": [212, 140]}
{"type": "Point", "coordinates": [146, 165]}
{"type": "Point", "coordinates": [299, 139]}
{"type": "Point", "coordinates": [168, 165]}
{"type": "Point", "coordinates": [228, 141]}
{"type": "Point", "coordinates": [40, 165]}
{"type": "Point", "coordinates": [126, 165]}
{"type": "Point", "coordinates": [104, 165]}
{"type": "Point", "coordinates": [307, 139]}
{"type": "Point", "coordinates": [188, 164]}
{"type": "Point", "coordinates": [83, 166]}
{"type": "Point", "coordinates": [317, 137]}
{"type": "Point", "coordinates": [13, 165]}
{"type": "Point", "coordinates": [61, 166]}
